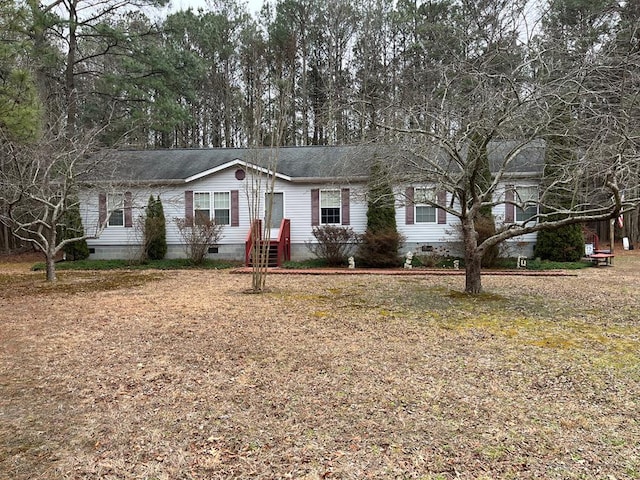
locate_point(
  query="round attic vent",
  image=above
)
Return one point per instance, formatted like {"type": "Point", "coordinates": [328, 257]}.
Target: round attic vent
{"type": "Point", "coordinates": [240, 174]}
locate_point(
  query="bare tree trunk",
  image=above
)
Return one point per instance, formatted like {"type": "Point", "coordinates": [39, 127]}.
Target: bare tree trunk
{"type": "Point", "coordinates": [70, 79]}
{"type": "Point", "coordinates": [5, 238]}
{"type": "Point", "coordinates": [472, 257]}
{"type": "Point", "coordinates": [51, 266]}
{"type": "Point", "coordinates": [473, 279]}
{"type": "Point", "coordinates": [633, 226]}
{"type": "Point", "coordinates": [228, 141]}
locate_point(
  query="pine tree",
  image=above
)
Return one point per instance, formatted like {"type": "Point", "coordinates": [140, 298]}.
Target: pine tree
{"type": "Point", "coordinates": [155, 231]}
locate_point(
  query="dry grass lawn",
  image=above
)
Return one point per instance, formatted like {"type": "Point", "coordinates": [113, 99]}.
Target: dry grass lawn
{"type": "Point", "coordinates": [181, 375]}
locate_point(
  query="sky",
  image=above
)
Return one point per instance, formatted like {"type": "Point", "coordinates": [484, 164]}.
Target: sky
{"type": "Point", "coordinates": [253, 5]}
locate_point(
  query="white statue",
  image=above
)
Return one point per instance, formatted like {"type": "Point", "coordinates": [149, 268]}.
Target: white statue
{"type": "Point", "coordinates": [352, 262]}
{"type": "Point", "coordinates": [408, 260]}
{"type": "Point", "coordinates": [456, 264]}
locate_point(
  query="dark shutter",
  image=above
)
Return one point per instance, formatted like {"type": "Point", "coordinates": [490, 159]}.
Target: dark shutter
{"type": "Point", "coordinates": [128, 210]}
{"type": "Point", "coordinates": [235, 208]}
{"type": "Point", "coordinates": [102, 209]}
{"type": "Point", "coordinates": [509, 208]}
{"type": "Point", "coordinates": [442, 213]}
{"type": "Point", "coordinates": [315, 207]}
{"type": "Point", "coordinates": [346, 219]}
{"type": "Point", "coordinates": [408, 206]}
{"type": "Point", "coordinates": [188, 208]}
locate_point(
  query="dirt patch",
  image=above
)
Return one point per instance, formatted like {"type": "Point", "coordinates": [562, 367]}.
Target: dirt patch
{"type": "Point", "coordinates": [181, 375]}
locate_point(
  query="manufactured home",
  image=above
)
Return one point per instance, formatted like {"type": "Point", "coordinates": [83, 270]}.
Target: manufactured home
{"type": "Point", "coordinates": [311, 186]}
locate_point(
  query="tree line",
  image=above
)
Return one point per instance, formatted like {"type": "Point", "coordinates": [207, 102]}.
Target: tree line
{"type": "Point", "coordinates": [336, 71]}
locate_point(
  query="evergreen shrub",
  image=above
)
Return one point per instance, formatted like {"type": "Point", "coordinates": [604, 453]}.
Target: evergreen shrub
{"type": "Point", "coordinates": [486, 228]}
{"type": "Point", "coordinates": [381, 240]}
{"type": "Point", "coordinates": [72, 228]}
{"type": "Point", "coordinates": [565, 244]}
{"type": "Point", "coordinates": [155, 231]}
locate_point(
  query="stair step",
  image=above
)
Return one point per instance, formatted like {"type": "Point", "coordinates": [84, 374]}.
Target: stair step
{"type": "Point", "coordinates": [272, 256]}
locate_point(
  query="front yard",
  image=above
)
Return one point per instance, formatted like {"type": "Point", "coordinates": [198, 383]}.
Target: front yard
{"type": "Point", "coordinates": [181, 375]}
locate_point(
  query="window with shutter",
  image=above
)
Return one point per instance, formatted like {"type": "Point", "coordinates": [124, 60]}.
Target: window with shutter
{"type": "Point", "coordinates": [527, 197]}
{"type": "Point", "coordinates": [115, 205]}
{"type": "Point", "coordinates": [424, 212]}
{"type": "Point", "coordinates": [330, 207]}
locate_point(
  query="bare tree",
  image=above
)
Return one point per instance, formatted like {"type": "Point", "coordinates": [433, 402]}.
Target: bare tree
{"type": "Point", "coordinates": [260, 193]}
{"type": "Point", "coordinates": [39, 184]}
{"type": "Point", "coordinates": [495, 107]}
{"type": "Point", "coordinates": [260, 185]}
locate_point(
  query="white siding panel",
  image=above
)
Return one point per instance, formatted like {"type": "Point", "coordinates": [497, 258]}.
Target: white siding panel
{"type": "Point", "coordinates": [113, 236]}
{"type": "Point", "coordinates": [225, 181]}
{"type": "Point", "coordinates": [297, 208]}
{"type": "Point", "coordinates": [448, 232]}
{"type": "Point", "coordinates": [428, 233]}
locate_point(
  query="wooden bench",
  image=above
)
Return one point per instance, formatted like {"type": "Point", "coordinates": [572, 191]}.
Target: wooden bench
{"type": "Point", "coordinates": [601, 259]}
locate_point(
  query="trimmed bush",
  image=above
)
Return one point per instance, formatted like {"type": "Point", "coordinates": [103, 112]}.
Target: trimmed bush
{"type": "Point", "coordinates": [334, 243]}
{"type": "Point", "coordinates": [198, 238]}
{"type": "Point", "coordinates": [380, 249]}
{"type": "Point", "coordinates": [565, 244]}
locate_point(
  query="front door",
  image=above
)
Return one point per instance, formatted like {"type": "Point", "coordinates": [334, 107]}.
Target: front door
{"type": "Point", "coordinates": [274, 200]}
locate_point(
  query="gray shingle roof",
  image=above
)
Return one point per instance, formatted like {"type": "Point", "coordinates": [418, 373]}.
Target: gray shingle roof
{"type": "Point", "coordinates": [298, 163]}
{"type": "Point", "coordinates": [181, 164]}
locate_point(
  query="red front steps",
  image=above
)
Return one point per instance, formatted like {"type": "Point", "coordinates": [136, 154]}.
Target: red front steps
{"type": "Point", "coordinates": [271, 252]}
{"type": "Point", "coordinates": [278, 251]}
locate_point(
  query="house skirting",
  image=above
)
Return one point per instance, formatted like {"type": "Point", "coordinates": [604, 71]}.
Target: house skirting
{"type": "Point", "coordinates": [299, 251]}
{"type": "Point", "coordinates": [132, 252]}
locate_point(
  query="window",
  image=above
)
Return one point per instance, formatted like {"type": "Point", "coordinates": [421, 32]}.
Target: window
{"type": "Point", "coordinates": [528, 198]}
{"type": "Point", "coordinates": [202, 203]}
{"type": "Point", "coordinates": [424, 213]}
{"type": "Point", "coordinates": [115, 204]}
{"type": "Point", "coordinates": [330, 203]}
{"type": "Point", "coordinates": [221, 208]}
{"type": "Point", "coordinates": [201, 207]}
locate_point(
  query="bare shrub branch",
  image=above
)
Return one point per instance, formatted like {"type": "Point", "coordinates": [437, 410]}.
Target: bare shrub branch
{"type": "Point", "coordinates": [198, 238]}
